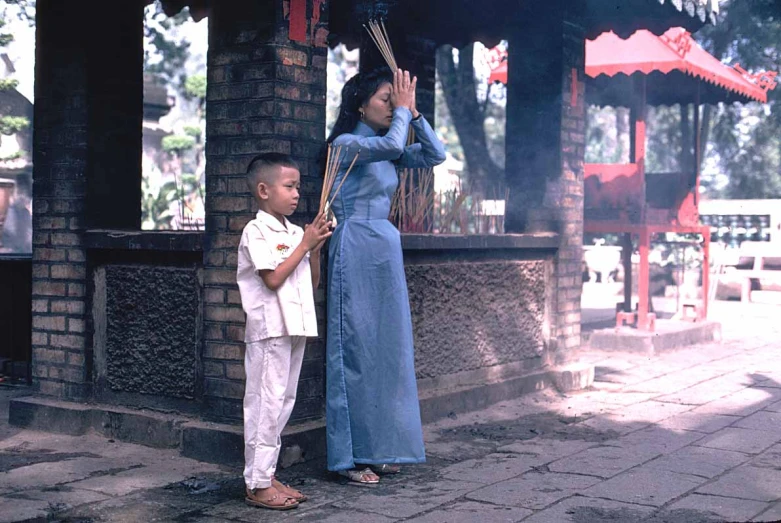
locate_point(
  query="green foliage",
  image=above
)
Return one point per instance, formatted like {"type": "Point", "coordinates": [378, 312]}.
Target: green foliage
{"type": "Point", "coordinates": [741, 157]}
{"type": "Point", "coordinates": [471, 117]}
{"type": "Point", "coordinates": [167, 56]}
{"type": "Point", "coordinates": [6, 84]}
{"type": "Point", "coordinates": [195, 86]}
{"type": "Point", "coordinates": [12, 124]}
{"type": "Point", "coordinates": [607, 139]}
{"type": "Point", "coordinates": [25, 9]}
{"type": "Point", "coordinates": [745, 140]}
{"type": "Point", "coordinates": [156, 204]}
{"type": "Point", "coordinates": [663, 147]}
{"type": "Point", "coordinates": [164, 54]}
{"type": "Point", "coordinates": [12, 156]}
{"type": "Point", "coordinates": [194, 131]}
{"type": "Point", "coordinates": [189, 183]}
{"type": "Point", "coordinates": [178, 143]}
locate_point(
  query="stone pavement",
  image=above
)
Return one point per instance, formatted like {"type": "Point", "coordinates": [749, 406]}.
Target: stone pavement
{"type": "Point", "coordinates": [692, 435]}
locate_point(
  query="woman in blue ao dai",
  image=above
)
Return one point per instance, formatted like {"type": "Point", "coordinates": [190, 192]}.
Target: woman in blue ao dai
{"type": "Point", "coordinates": [372, 411]}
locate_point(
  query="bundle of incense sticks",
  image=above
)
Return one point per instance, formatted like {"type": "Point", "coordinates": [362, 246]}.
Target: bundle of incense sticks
{"type": "Point", "coordinates": [380, 36]}
{"type": "Point", "coordinates": [412, 207]}
{"type": "Point", "coordinates": [332, 164]}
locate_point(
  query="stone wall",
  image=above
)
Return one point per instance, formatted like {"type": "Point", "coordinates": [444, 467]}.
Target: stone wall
{"type": "Point", "coordinates": [152, 320]}
{"type": "Point", "coordinates": [468, 316]}
{"type": "Point", "coordinates": [479, 303]}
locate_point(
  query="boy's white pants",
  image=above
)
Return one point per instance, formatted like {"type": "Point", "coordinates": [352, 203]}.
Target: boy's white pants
{"type": "Point", "coordinates": [272, 367]}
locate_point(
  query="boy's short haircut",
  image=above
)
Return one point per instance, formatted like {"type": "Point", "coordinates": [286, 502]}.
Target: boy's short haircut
{"type": "Point", "coordinates": [260, 168]}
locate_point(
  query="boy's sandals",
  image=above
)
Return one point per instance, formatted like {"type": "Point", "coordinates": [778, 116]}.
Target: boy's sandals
{"type": "Point", "coordinates": [278, 501]}
{"type": "Point", "coordinates": [361, 478]}
{"type": "Point", "coordinates": [287, 490]}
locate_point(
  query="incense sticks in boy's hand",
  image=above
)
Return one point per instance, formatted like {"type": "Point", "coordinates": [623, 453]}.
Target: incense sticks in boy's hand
{"type": "Point", "coordinates": [333, 163]}
{"type": "Point", "coordinates": [380, 36]}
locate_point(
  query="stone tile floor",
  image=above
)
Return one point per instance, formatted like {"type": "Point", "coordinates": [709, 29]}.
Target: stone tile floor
{"type": "Point", "coordinates": [691, 435]}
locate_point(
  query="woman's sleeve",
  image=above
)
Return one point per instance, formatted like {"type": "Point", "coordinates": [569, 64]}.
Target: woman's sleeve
{"type": "Point", "coordinates": [377, 148]}
{"type": "Point", "coordinates": [428, 152]}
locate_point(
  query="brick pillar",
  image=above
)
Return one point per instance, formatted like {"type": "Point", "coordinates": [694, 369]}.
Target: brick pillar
{"type": "Point", "coordinates": [60, 157]}
{"type": "Point", "coordinates": [265, 93]}
{"type": "Point", "coordinates": [545, 149]}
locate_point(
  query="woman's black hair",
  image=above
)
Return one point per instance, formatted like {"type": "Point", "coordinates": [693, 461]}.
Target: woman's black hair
{"type": "Point", "coordinates": [355, 93]}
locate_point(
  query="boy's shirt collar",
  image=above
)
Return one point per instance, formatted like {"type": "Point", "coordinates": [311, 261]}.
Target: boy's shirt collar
{"type": "Point", "coordinates": [274, 224]}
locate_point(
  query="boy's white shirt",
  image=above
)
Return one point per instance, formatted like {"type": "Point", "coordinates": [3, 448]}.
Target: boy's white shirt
{"type": "Point", "coordinates": [288, 311]}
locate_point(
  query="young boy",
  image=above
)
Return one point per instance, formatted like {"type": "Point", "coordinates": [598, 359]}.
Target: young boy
{"type": "Point", "coordinates": [278, 268]}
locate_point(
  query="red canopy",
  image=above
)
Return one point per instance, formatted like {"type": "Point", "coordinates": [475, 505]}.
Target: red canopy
{"type": "Point", "coordinates": [675, 50]}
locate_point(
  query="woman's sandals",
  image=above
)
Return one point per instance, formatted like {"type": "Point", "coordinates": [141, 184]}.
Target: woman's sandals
{"type": "Point", "coordinates": [278, 501]}
{"type": "Point", "coordinates": [385, 469]}
{"type": "Point", "coordinates": [361, 478]}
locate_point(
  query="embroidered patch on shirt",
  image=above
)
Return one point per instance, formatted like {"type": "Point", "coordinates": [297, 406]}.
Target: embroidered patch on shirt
{"type": "Point", "coordinates": [282, 248]}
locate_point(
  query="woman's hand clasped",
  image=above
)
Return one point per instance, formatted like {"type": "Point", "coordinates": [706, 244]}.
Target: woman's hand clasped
{"type": "Point", "coordinates": [403, 91]}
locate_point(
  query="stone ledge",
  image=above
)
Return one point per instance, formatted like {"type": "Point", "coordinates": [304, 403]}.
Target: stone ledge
{"type": "Point", "coordinates": [669, 335]}
{"type": "Point", "coordinates": [437, 404]}
{"type": "Point", "coordinates": [144, 240]}
{"type": "Point", "coordinates": [223, 443]}
{"type": "Point", "coordinates": [204, 441]}
{"type": "Point", "coordinates": [573, 377]}
{"type": "Point", "coordinates": [433, 242]}
{"type": "Point", "coordinates": [133, 426]}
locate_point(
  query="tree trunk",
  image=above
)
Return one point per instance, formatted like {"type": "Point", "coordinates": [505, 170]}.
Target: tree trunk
{"type": "Point", "coordinates": [705, 125]}
{"type": "Point", "coordinates": [622, 129]}
{"type": "Point", "coordinates": [720, 45]}
{"type": "Point", "coordinates": [458, 84]}
{"type": "Point", "coordinates": [686, 163]}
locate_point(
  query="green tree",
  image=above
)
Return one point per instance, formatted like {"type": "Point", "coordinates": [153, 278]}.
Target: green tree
{"type": "Point", "coordinates": [165, 55]}
{"type": "Point", "coordinates": [479, 127]}
{"type": "Point", "coordinates": [745, 141]}
{"type": "Point", "coordinates": [10, 125]}
{"type": "Point", "coordinates": [740, 143]}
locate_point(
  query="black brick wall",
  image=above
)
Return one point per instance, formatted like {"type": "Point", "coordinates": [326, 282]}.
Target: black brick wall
{"type": "Point", "coordinates": [59, 306]}
{"type": "Point", "coordinates": [546, 147]}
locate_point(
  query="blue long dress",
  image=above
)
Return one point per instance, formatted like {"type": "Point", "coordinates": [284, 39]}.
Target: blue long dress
{"type": "Point", "coordinates": [372, 410]}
